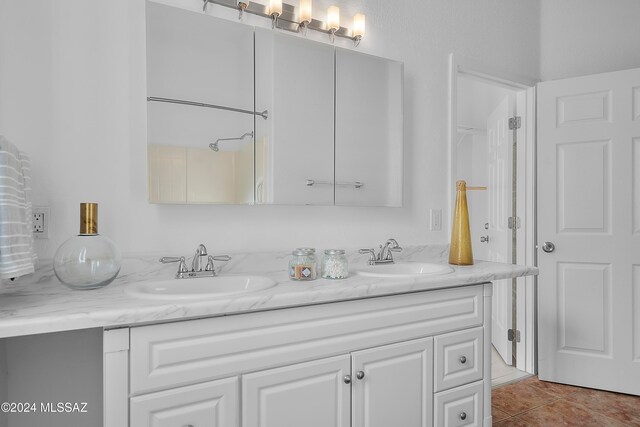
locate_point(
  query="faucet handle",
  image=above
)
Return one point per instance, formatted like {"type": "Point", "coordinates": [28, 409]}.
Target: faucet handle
{"type": "Point", "coordinates": [210, 259]}
{"type": "Point", "coordinates": [222, 258]}
{"type": "Point", "coordinates": [371, 252]}
{"type": "Point", "coordinates": [182, 267]}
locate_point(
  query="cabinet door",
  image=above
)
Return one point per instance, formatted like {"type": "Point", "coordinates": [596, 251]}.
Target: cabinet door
{"type": "Point", "coordinates": [211, 404]}
{"type": "Point", "coordinates": [311, 394]}
{"type": "Point", "coordinates": [397, 386]}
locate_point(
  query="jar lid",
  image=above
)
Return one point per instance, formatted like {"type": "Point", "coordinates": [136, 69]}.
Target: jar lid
{"type": "Point", "coordinates": [304, 251]}
{"type": "Point", "coordinates": [334, 252]}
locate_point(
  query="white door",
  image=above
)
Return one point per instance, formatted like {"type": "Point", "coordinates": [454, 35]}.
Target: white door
{"type": "Point", "coordinates": [500, 143]}
{"type": "Point", "coordinates": [393, 385]}
{"type": "Point", "coordinates": [312, 394]}
{"type": "Point", "coordinates": [589, 208]}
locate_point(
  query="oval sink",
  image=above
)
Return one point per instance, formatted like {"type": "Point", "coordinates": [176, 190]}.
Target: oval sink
{"type": "Point", "coordinates": [405, 269]}
{"type": "Point", "coordinates": [201, 287]}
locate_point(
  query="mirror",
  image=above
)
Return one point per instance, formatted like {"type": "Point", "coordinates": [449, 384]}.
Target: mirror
{"type": "Point", "coordinates": [196, 63]}
{"type": "Point", "coordinates": [275, 120]}
{"type": "Point", "coordinates": [369, 130]}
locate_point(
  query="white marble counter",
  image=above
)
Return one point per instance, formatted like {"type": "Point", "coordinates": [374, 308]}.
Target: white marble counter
{"type": "Point", "coordinates": [39, 303]}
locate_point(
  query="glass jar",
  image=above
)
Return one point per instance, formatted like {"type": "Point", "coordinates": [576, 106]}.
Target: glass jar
{"type": "Point", "coordinates": [335, 264]}
{"type": "Point", "coordinates": [88, 260]}
{"type": "Point", "coordinates": [303, 264]}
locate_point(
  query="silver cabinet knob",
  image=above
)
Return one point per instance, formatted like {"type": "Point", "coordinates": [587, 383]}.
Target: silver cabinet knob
{"type": "Point", "coordinates": [359, 375]}
{"type": "Point", "coordinates": [463, 359]}
{"type": "Point", "coordinates": [347, 379]}
{"type": "Point", "coordinates": [463, 415]}
{"type": "Point", "coordinates": [548, 247]}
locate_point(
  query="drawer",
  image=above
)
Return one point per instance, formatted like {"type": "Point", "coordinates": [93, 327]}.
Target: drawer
{"type": "Point", "coordinates": [182, 353]}
{"type": "Point", "coordinates": [212, 404]}
{"type": "Point", "coordinates": [460, 406]}
{"type": "Point", "coordinates": [458, 358]}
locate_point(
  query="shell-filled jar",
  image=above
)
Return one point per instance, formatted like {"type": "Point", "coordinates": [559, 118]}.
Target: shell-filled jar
{"type": "Point", "coordinates": [334, 264]}
{"type": "Point", "coordinates": [303, 264]}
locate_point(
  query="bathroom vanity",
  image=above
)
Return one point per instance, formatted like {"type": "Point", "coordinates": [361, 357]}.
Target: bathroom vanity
{"type": "Point", "coordinates": [365, 351]}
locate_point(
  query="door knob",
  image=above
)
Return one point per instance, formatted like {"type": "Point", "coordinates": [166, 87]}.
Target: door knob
{"type": "Point", "coordinates": [548, 247]}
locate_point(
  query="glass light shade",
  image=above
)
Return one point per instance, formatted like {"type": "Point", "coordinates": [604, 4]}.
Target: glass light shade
{"type": "Point", "coordinates": [358, 25]}
{"type": "Point", "coordinates": [275, 7]}
{"type": "Point", "coordinates": [87, 261]}
{"type": "Point", "coordinates": [305, 11]}
{"type": "Point", "coordinates": [333, 18]}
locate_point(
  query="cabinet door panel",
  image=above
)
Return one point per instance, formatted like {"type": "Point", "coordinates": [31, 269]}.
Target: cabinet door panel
{"type": "Point", "coordinates": [212, 404]}
{"type": "Point", "coordinates": [397, 386]}
{"type": "Point", "coordinates": [309, 394]}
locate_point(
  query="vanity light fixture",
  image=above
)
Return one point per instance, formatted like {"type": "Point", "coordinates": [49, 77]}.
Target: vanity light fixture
{"type": "Point", "coordinates": [305, 16]}
{"type": "Point", "coordinates": [358, 28]}
{"type": "Point", "coordinates": [333, 21]}
{"type": "Point", "coordinates": [275, 10]}
{"type": "Point", "coordinates": [242, 6]}
{"type": "Point", "coordinates": [287, 17]}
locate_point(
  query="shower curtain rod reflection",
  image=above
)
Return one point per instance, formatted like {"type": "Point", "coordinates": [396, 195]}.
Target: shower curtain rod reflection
{"type": "Point", "coordinates": [264, 114]}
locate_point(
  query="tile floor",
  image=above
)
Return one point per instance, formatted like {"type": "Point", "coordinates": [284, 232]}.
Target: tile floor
{"type": "Point", "coordinates": [534, 403]}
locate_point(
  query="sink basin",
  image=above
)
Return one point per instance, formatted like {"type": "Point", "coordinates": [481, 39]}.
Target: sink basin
{"type": "Point", "coordinates": [405, 269]}
{"type": "Point", "coordinates": [201, 287]}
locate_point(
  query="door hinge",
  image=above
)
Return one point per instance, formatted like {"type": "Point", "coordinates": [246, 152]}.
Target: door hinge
{"type": "Point", "coordinates": [510, 335]}
{"type": "Point", "coordinates": [514, 220]}
{"type": "Point", "coordinates": [515, 123]}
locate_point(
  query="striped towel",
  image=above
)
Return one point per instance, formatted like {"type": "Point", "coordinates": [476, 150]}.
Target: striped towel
{"type": "Point", "coordinates": [17, 256]}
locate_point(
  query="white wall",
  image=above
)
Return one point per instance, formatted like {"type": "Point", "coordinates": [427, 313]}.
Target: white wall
{"type": "Point", "coordinates": [581, 37]}
{"type": "Point", "coordinates": [52, 368]}
{"type": "Point", "coordinates": [72, 94]}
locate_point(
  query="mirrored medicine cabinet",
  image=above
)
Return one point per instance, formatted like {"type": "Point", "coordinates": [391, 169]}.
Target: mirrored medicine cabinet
{"type": "Point", "coordinates": [244, 115]}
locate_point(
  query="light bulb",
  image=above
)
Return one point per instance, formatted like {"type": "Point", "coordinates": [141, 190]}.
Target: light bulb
{"type": "Point", "coordinates": [333, 18]}
{"type": "Point", "coordinates": [358, 28]}
{"type": "Point", "coordinates": [275, 7]}
{"type": "Point", "coordinates": [305, 12]}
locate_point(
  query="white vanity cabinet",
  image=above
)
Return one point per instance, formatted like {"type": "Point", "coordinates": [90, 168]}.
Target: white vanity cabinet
{"type": "Point", "coordinates": [415, 359]}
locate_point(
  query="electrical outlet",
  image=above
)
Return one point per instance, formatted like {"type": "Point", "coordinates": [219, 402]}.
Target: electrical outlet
{"type": "Point", "coordinates": [435, 219]}
{"type": "Point", "coordinates": [41, 216]}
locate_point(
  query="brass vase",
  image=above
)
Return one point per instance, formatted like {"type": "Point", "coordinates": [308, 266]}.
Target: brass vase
{"type": "Point", "coordinates": [460, 252]}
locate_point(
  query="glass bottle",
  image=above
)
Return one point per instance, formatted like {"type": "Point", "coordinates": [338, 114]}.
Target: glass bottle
{"type": "Point", "coordinates": [303, 264]}
{"type": "Point", "coordinates": [88, 260]}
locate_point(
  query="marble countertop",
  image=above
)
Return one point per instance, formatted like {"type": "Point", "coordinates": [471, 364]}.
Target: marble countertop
{"type": "Point", "coordinates": [39, 303]}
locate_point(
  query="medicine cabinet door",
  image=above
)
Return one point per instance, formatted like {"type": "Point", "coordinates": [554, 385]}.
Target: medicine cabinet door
{"type": "Point", "coordinates": [294, 150]}
{"type": "Point", "coordinates": [200, 108]}
{"type": "Point", "coordinates": [369, 130]}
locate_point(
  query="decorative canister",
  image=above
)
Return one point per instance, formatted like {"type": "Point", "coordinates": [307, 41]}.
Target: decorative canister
{"type": "Point", "coordinates": [334, 264]}
{"type": "Point", "coordinates": [303, 264]}
{"type": "Point", "coordinates": [88, 260]}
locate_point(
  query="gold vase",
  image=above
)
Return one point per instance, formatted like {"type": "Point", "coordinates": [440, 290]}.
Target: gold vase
{"type": "Point", "coordinates": [460, 252]}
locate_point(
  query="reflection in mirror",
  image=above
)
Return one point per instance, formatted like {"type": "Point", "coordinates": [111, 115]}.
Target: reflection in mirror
{"type": "Point", "coordinates": [295, 82]}
{"type": "Point", "coordinates": [369, 130]}
{"type": "Point", "coordinates": [200, 98]}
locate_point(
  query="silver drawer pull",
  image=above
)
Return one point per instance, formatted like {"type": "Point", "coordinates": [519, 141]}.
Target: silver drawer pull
{"type": "Point", "coordinates": [347, 379]}
{"type": "Point", "coordinates": [463, 415]}
{"type": "Point", "coordinates": [463, 360]}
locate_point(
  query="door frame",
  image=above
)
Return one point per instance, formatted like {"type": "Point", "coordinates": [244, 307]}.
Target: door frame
{"type": "Point", "coordinates": [526, 303]}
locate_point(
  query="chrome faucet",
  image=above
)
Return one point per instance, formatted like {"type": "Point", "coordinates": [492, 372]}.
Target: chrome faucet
{"type": "Point", "coordinates": [385, 256]}
{"type": "Point", "coordinates": [201, 252]}
{"type": "Point", "coordinates": [197, 263]}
